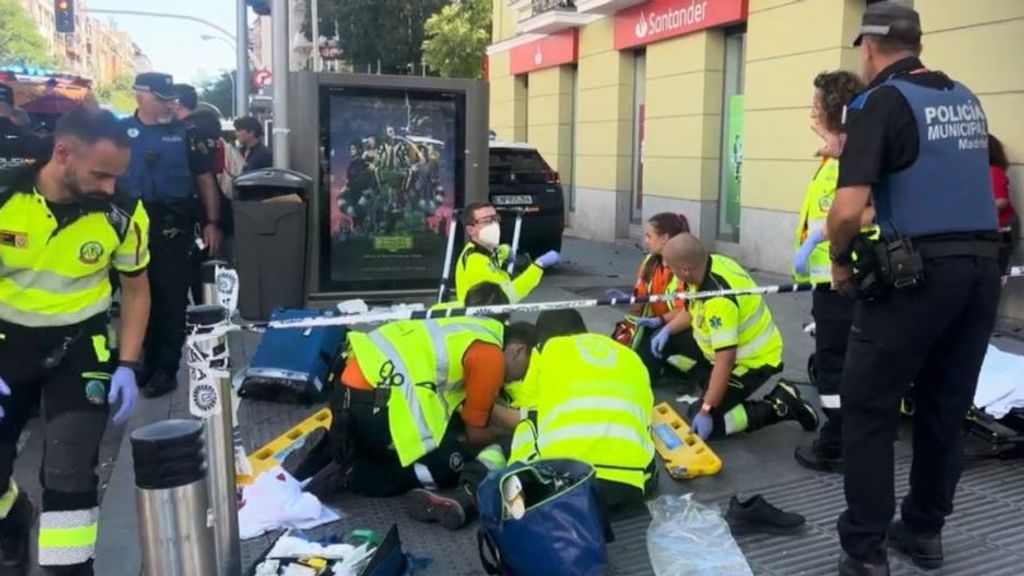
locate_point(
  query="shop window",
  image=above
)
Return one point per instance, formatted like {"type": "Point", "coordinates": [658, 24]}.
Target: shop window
{"type": "Point", "coordinates": [731, 175]}
{"type": "Point", "coordinates": [636, 205]}
{"type": "Point", "coordinates": [569, 180]}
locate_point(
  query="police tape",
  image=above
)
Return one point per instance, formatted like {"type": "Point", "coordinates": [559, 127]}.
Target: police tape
{"type": "Point", "coordinates": [431, 314]}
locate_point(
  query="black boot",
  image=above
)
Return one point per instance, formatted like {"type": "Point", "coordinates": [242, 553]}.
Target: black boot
{"type": "Point", "coordinates": [452, 512]}
{"type": "Point", "coordinates": [852, 567]}
{"type": "Point", "coordinates": [924, 549]}
{"type": "Point", "coordinates": [825, 454]}
{"type": "Point", "coordinates": [790, 405]}
{"type": "Point", "coordinates": [15, 532]}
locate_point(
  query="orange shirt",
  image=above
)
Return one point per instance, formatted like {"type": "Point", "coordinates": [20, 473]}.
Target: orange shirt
{"type": "Point", "coordinates": [650, 280]}
{"type": "Point", "coordinates": [483, 369]}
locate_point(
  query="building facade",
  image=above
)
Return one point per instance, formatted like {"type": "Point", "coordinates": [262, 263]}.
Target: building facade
{"type": "Point", "coordinates": [702, 106]}
{"type": "Point", "coordinates": [97, 49]}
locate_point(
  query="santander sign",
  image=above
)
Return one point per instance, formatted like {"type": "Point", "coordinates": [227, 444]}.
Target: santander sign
{"type": "Point", "coordinates": [660, 19]}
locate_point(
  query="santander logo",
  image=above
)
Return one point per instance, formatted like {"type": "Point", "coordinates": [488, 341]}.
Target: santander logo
{"type": "Point", "coordinates": [641, 26]}
{"type": "Point", "coordinates": [538, 57]}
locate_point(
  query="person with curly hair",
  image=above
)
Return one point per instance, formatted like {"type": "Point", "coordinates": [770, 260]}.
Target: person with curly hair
{"type": "Point", "coordinates": [832, 312]}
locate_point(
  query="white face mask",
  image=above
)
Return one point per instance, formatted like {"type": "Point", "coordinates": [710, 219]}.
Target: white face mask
{"type": "Point", "coordinates": [490, 235]}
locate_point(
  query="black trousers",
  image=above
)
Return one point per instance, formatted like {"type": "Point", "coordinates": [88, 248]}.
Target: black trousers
{"type": "Point", "coordinates": [377, 470]}
{"type": "Point", "coordinates": [172, 240]}
{"type": "Point", "coordinates": [74, 428]}
{"type": "Point", "coordinates": [833, 315]}
{"type": "Point", "coordinates": [681, 344]}
{"type": "Point", "coordinates": [936, 337]}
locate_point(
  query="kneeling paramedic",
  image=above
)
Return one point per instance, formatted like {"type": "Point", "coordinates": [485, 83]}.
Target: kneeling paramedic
{"type": "Point", "coordinates": [61, 236]}
{"type": "Point", "coordinates": [740, 344]}
{"type": "Point", "coordinates": [416, 400]}
{"type": "Point", "coordinates": [594, 404]}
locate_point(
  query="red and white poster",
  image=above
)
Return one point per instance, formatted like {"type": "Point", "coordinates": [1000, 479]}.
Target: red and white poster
{"type": "Point", "coordinates": [661, 19]}
{"type": "Point", "coordinates": [552, 50]}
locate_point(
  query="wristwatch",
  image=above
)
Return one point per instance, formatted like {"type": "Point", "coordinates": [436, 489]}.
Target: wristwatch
{"type": "Point", "coordinates": [132, 364]}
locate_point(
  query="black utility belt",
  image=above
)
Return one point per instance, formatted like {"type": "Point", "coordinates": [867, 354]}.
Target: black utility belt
{"type": "Point", "coordinates": [899, 263]}
{"type": "Point", "coordinates": [376, 398]}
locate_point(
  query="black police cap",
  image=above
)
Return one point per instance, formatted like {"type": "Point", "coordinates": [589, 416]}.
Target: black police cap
{"type": "Point", "coordinates": [156, 83]}
{"type": "Point", "coordinates": [187, 96]}
{"type": "Point", "coordinates": [891, 19]}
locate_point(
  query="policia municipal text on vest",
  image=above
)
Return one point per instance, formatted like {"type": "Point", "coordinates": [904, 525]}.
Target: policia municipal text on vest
{"type": "Point", "coordinates": [60, 239]}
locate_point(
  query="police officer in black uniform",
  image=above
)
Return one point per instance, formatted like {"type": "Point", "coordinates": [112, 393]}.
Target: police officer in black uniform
{"type": "Point", "coordinates": [916, 143]}
{"type": "Point", "coordinates": [171, 172]}
{"type": "Point", "coordinates": [20, 148]}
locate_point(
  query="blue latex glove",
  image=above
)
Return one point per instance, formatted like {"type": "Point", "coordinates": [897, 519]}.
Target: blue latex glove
{"type": "Point", "coordinates": [617, 294]}
{"type": "Point", "coordinates": [5, 390]}
{"type": "Point", "coordinates": [703, 425]}
{"type": "Point", "coordinates": [549, 259]}
{"type": "Point", "coordinates": [804, 253]}
{"type": "Point", "coordinates": [123, 389]}
{"type": "Point", "coordinates": [649, 321]}
{"type": "Point", "coordinates": [659, 341]}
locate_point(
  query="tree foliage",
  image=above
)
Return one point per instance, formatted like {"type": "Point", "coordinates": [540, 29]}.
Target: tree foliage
{"type": "Point", "coordinates": [219, 91]}
{"type": "Point", "coordinates": [386, 31]}
{"type": "Point", "coordinates": [119, 94]}
{"type": "Point", "coordinates": [457, 37]}
{"type": "Point", "coordinates": [20, 41]}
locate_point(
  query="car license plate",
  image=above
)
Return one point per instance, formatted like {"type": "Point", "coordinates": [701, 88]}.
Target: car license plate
{"type": "Point", "coordinates": [513, 200]}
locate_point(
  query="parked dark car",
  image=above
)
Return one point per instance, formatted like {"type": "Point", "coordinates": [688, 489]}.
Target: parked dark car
{"type": "Point", "coordinates": [521, 179]}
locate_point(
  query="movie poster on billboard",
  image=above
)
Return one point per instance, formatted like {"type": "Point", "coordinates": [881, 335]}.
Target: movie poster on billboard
{"type": "Point", "coordinates": [393, 173]}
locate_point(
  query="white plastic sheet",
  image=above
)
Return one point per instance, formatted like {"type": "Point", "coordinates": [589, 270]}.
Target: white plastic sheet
{"type": "Point", "coordinates": [689, 538]}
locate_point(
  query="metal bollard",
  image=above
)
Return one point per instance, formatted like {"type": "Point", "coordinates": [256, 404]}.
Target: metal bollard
{"type": "Point", "coordinates": [219, 441]}
{"type": "Point", "coordinates": [172, 498]}
{"type": "Point", "coordinates": [209, 278]}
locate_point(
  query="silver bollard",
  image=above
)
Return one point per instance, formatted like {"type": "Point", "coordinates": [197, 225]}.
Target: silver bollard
{"type": "Point", "coordinates": [172, 499]}
{"type": "Point", "coordinates": [209, 278]}
{"type": "Point", "coordinates": [219, 443]}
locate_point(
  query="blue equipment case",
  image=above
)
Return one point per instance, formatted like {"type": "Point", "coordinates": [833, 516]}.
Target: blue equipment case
{"type": "Point", "coordinates": [294, 365]}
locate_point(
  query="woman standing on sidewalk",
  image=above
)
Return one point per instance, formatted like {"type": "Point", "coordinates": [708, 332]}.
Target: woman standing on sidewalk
{"type": "Point", "coordinates": [832, 312]}
{"type": "Point", "coordinates": [998, 165]}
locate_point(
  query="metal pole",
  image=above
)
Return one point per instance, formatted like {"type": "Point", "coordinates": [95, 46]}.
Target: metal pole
{"type": "Point", "coordinates": [241, 59]}
{"type": "Point", "coordinates": [442, 290]}
{"type": "Point", "coordinates": [210, 390]}
{"type": "Point", "coordinates": [279, 37]}
{"type": "Point", "coordinates": [314, 6]}
{"type": "Point", "coordinates": [516, 233]}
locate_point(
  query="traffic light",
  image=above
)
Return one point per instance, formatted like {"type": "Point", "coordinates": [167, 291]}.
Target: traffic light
{"type": "Point", "coordinates": [260, 7]}
{"type": "Point", "coordinates": [64, 16]}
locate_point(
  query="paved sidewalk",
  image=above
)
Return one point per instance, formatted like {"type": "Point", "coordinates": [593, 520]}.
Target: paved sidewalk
{"type": "Point", "coordinates": [992, 493]}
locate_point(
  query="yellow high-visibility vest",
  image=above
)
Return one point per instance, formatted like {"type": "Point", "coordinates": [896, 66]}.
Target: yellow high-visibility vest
{"type": "Point", "coordinates": [741, 322]}
{"type": "Point", "coordinates": [421, 362]}
{"type": "Point", "coordinates": [476, 266]}
{"type": "Point", "coordinates": [594, 405]}
{"type": "Point", "coordinates": [821, 192]}
{"type": "Point", "coordinates": [58, 276]}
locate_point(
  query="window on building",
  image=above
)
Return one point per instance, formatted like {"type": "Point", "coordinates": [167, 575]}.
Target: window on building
{"type": "Point", "coordinates": [731, 175]}
{"type": "Point", "coordinates": [522, 103]}
{"type": "Point", "coordinates": [636, 205]}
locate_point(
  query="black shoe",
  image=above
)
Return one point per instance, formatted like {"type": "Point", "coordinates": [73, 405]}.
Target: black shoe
{"type": "Point", "coordinates": [790, 405]}
{"type": "Point", "coordinates": [15, 532]}
{"type": "Point", "coordinates": [924, 549]}
{"type": "Point", "coordinates": [159, 385]}
{"type": "Point", "coordinates": [851, 567]}
{"type": "Point", "coordinates": [330, 481]}
{"type": "Point", "coordinates": [815, 456]}
{"type": "Point", "coordinates": [757, 515]}
{"type": "Point", "coordinates": [425, 506]}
